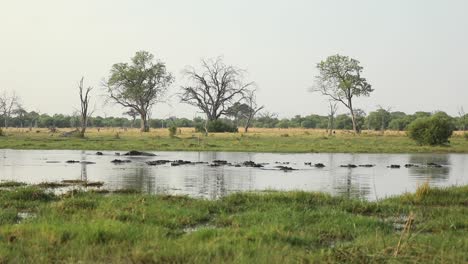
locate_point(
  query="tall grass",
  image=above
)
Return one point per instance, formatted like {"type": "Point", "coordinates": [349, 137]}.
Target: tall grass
{"type": "Point", "coordinates": [268, 227]}
{"type": "Point", "coordinates": [422, 190]}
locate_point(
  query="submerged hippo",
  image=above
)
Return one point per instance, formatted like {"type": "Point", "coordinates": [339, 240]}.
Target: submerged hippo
{"type": "Point", "coordinates": [139, 153]}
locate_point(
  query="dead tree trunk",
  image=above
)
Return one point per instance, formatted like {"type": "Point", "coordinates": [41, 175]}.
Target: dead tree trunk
{"type": "Point", "coordinates": [331, 117]}
{"type": "Point", "coordinates": [251, 101]}
{"type": "Point", "coordinates": [84, 104]}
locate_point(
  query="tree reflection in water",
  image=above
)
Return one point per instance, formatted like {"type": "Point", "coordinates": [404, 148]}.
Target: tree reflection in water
{"type": "Point", "coordinates": [428, 173]}
{"type": "Point", "coordinates": [138, 178]}
{"type": "Point", "coordinates": [348, 182]}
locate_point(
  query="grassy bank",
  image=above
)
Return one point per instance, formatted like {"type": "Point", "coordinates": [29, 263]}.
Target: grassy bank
{"type": "Point", "coordinates": [430, 226]}
{"type": "Point", "coordinates": [258, 140]}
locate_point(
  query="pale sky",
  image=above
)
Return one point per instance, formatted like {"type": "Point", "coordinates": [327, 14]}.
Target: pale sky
{"type": "Point", "coordinates": [414, 52]}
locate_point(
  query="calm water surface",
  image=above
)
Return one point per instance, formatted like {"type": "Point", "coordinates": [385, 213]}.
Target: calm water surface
{"type": "Point", "coordinates": [201, 180]}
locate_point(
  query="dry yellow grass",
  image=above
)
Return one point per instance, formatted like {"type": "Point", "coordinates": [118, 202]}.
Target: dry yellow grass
{"type": "Point", "coordinates": [257, 140]}
{"type": "Point", "coordinates": [190, 130]}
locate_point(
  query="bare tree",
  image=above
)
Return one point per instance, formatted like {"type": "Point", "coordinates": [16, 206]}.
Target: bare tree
{"type": "Point", "coordinates": [214, 88]}
{"type": "Point", "coordinates": [333, 107]}
{"type": "Point", "coordinates": [268, 119]}
{"type": "Point", "coordinates": [8, 104]}
{"type": "Point", "coordinates": [85, 112]}
{"type": "Point", "coordinates": [385, 116]}
{"type": "Point", "coordinates": [463, 116]}
{"type": "Point", "coordinates": [251, 101]}
{"type": "Point", "coordinates": [268, 115]}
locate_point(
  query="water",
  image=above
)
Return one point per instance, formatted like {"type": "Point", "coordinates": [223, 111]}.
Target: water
{"type": "Point", "coordinates": [201, 180]}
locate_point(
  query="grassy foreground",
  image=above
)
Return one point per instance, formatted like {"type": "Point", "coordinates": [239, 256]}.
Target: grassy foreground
{"type": "Point", "coordinates": [430, 226]}
{"type": "Point", "coordinates": [257, 140]}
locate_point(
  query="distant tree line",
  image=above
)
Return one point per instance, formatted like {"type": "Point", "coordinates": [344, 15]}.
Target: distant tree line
{"type": "Point", "coordinates": [35, 120]}
{"type": "Point", "coordinates": [378, 120]}
{"type": "Point", "coordinates": [221, 92]}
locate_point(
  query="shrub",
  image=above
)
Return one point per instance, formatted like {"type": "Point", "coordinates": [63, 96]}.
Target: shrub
{"type": "Point", "coordinates": [283, 124]}
{"type": "Point", "coordinates": [434, 130]}
{"type": "Point", "coordinates": [172, 131]}
{"type": "Point", "coordinates": [308, 124]}
{"type": "Point", "coordinates": [465, 135]}
{"type": "Point", "coordinates": [1, 132]}
{"type": "Point", "coordinates": [217, 126]}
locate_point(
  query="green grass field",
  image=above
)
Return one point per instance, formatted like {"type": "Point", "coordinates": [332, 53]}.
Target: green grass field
{"type": "Point", "coordinates": [430, 226]}
{"type": "Point", "coordinates": [258, 140]}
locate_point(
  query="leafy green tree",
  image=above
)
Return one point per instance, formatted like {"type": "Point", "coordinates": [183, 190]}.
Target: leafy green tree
{"type": "Point", "coordinates": [421, 114]}
{"type": "Point", "coordinates": [309, 122]}
{"type": "Point", "coordinates": [360, 119]}
{"type": "Point", "coordinates": [139, 85]}
{"type": "Point", "coordinates": [434, 130]}
{"type": "Point", "coordinates": [398, 124]}
{"type": "Point", "coordinates": [238, 111]}
{"type": "Point", "coordinates": [340, 79]}
{"type": "Point", "coordinates": [295, 121]}
{"type": "Point", "coordinates": [97, 121]}
{"type": "Point", "coordinates": [217, 126]}
{"type": "Point", "coordinates": [183, 122]}
{"type": "Point", "coordinates": [378, 120]}
{"type": "Point", "coordinates": [343, 122]}
{"type": "Point", "coordinates": [284, 123]}
{"type": "Point", "coordinates": [397, 114]}
{"type": "Point", "coordinates": [462, 122]}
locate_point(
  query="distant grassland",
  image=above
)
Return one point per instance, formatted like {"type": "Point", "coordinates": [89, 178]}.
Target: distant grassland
{"type": "Point", "coordinates": [429, 226]}
{"type": "Point", "coordinates": [257, 140]}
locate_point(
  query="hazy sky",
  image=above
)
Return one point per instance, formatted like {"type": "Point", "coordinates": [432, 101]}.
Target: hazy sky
{"type": "Point", "coordinates": [414, 52]}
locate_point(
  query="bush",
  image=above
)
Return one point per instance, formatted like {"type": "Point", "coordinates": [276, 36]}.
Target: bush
{"type": "Point", "coordinates": [465, 135]}
{"type": "Point", "coordinates": [434, 130]}
{"type": "Point", "coordinates": [283, 124]}
{"type": "Point", "coordinates": [172, 131]}
{"type": "Point", "coordinates": [217, 126]}
{"type": "Point", "coordinates": [308, 124]}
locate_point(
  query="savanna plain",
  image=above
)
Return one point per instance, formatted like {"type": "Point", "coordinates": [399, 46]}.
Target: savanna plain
{"type": "Point", "coordinates": [38, 225]}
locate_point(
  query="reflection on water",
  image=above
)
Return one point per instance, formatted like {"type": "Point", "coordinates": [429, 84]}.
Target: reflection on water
{"type": "Point", "coordinates": [138, 178]}
{"type": "Point", "coordinates": [84, 170]}
{"type": "Point", "coordinates": [430, 173]}
{"type": "Point", "coordinates": [352, 185]}
{"type": "Point", "coordinates": [202, 180]}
